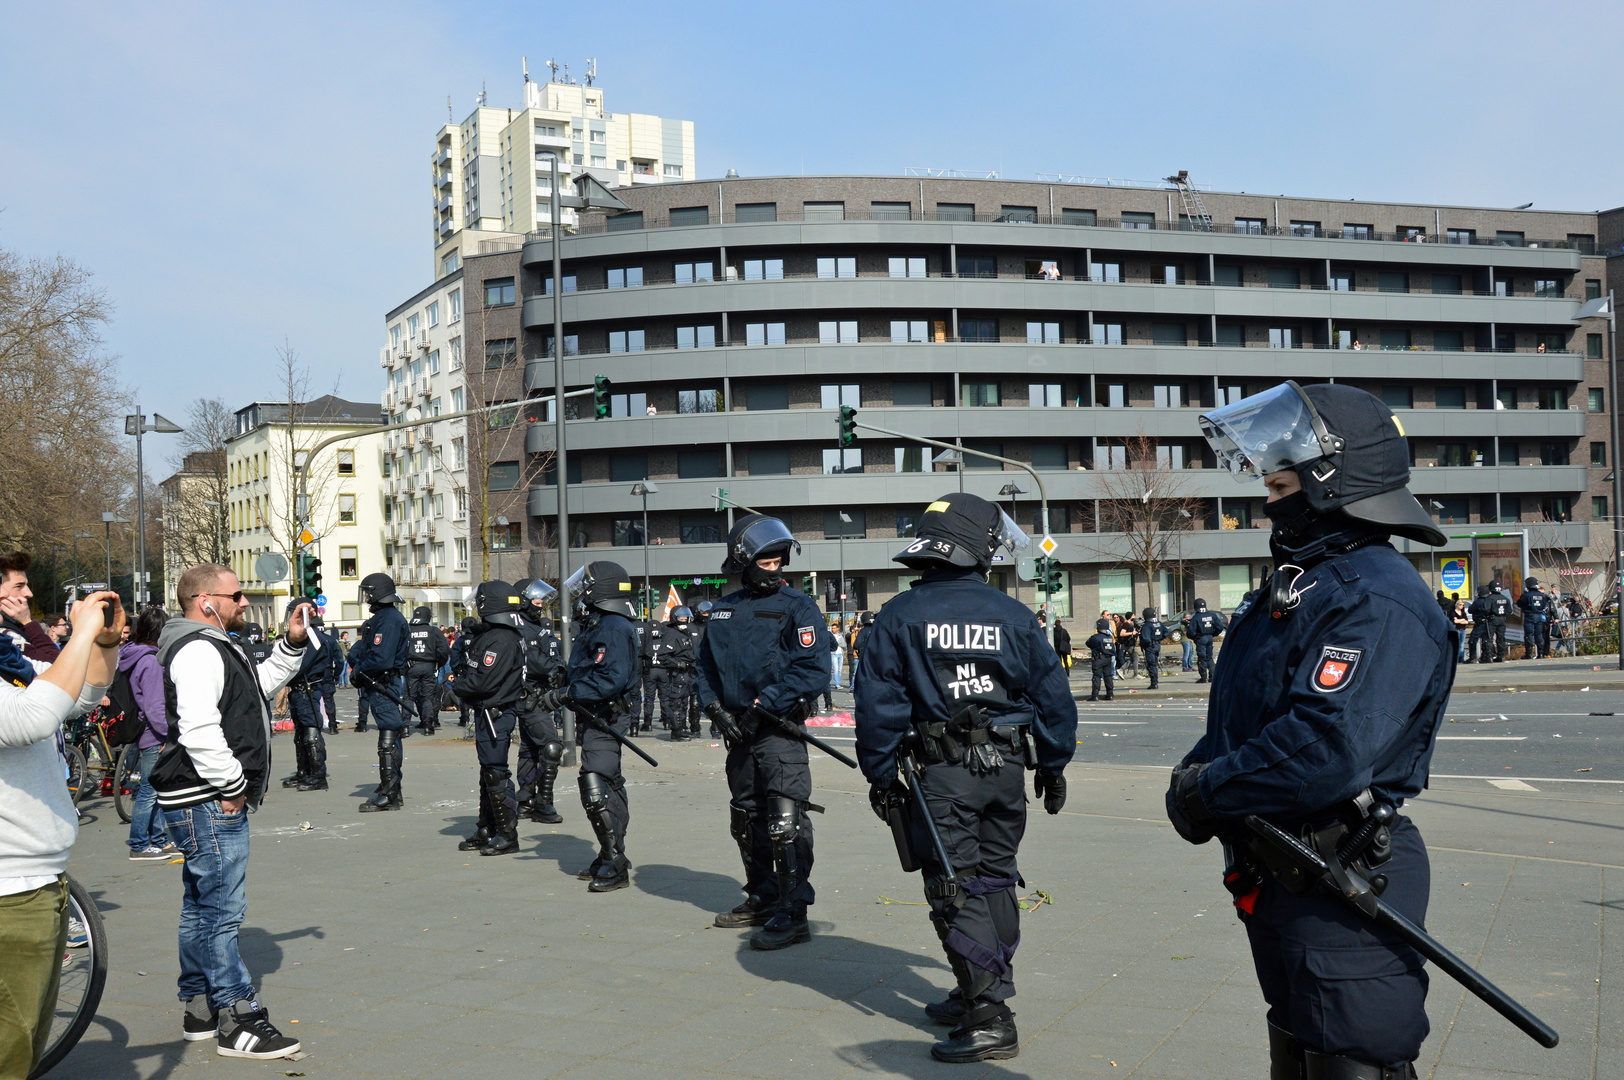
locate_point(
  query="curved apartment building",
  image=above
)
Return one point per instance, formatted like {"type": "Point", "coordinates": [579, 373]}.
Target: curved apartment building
{"type": "Point", "coordinates": [1074, 327]}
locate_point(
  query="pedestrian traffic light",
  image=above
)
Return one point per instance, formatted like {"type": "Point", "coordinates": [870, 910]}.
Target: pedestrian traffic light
{"type": "Point", "coordinates": [310, 576]}
{"type": "Point", "coordinates": [600, 397]}
{"type": "Point", "coordinates": [848, 425]}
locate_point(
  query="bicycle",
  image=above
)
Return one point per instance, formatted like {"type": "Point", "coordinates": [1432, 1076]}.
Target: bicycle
{"type": "Point", "coordinates": [104, 772]}
{"type": "Point", "coordinates": [84, 975]}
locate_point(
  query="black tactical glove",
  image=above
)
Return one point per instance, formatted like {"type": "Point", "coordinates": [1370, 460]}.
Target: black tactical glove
{"type": "Point", "coordinates": [553, 700]}
{"type": "Point", "coordinates": [726, 723]}
{"type": "Point", "coordinates": [886, 797]}
{"type": "Point", "coordinates": [1184, 806]}
{"type": "Point", "coordinates": [1051, 788]}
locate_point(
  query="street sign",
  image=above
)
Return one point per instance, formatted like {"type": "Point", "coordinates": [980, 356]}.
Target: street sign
{"type": "Point", "coordinates": [306, 538]}
{"type": "Point", "coordinates": [1026, 568]}
{"type": "Point", "coordinates": [1047, 545]}
{"type": "Point", "coordinates": [271, 567]}
{"type": "Point", "coordinates": [321, 601]}
{"type": "Point", "coordinates": [999, 557]}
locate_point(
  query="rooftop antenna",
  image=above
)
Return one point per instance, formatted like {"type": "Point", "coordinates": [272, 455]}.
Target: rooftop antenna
{"type": "Point", "coordinates": [552, 65]}
{"type": "Point", "coordinates": [524, 65]}
{"type": "Point", "coordinates": [449, 118]}
{"type": "Point", "coordinates": [567, 80]}
{"type": "Point", "coordinates": [482, 93]}
{"type": "Point", "coordinates": [591, 70]}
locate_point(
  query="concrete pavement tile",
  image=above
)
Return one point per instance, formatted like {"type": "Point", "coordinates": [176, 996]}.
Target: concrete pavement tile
{"type": "Point", "coordinates": [700, 1050]}
{"type": "Point", "coordinates": [591, 1036]}
{"type": "Point", "coordinates": [469, 992]}
{"type": "Point", "coordinates": [791, 1059]}
{"type": "Point", "coordinates": [516, 1061]}
{"type": "Point", "coordinates": [553, 1002]}
{"type": "Point", "coordinates": [402, 1015]}
{"type": "Point", "coordinates": [408, 1056]}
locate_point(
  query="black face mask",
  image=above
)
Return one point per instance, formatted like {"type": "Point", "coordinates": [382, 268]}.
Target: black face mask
{"type": "Point", "coordinates": [1291, 515]}
{"type": "Point", "coordinates": [761, 582]}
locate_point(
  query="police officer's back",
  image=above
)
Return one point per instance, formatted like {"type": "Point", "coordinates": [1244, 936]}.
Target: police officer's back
{"type": "Point", "coordinates": [426, 650]}
{"type": "Point", "coordinates": [1152, 632]}
{"type": "Point", "coordinates": [1536, 607]}
{"type": "Point", "coordinates": [491, 682]}
{"type": "Point", "coordinates": [378, 659]}
{"type": "Point", "coordinates": [961, 678]}
{"type": "Point", "coordinates": [1326, 702]}
{"type": "Point", "coordinates": [1498, 605]}
{"type": "Point", "coordinates": [1102, 659]}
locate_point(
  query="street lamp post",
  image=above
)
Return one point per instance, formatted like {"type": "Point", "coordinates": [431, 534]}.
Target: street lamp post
{"type": "Point", "coordinates": [78, 535]}
{"type": "Point", "coordinates": [954, 458]}
{"type": "Point", "coordinates": [136, 424]}
{"type": "Point", "coordinates": [845, 519]}
{"type": "Point", "coordinates": [1436, 505]}
{"type": "Point", "coordinates": [1013, 489]}
{"type": "Point", "coordinates": [643, 489]}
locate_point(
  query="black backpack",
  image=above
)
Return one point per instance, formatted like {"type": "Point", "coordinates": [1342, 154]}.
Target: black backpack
{"type": "Point", "coordinates": [127, 728]}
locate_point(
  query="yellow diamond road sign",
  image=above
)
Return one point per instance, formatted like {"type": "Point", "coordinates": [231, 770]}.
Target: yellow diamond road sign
{"type": "Point", "coordinates": [1047, 545]}
{"type": "Point", "coordinates": [306, 538]}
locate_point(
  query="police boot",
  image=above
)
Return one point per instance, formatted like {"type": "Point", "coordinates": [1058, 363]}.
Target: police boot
{"type": "Point", "coordinates": [595, 801]}
{"type": "Point", "coordinates": [1285, 1055]}
{"type": "Point", "coordinates": [504, 815]}
{"type": "Point", "coordinates": [300, 767]}
{"type": "Point", "coordinates": [679, 729]}
{"type": "Point", "coordinates": [949, 1011]}
{"type": "Point", "coordinates": [542, 808]}
{"type": "Point", "coordinates": [482, 834]}
{"type": "Point", "coordinates": [986, 1032]}
{"type": "Point", "coordinates": [787, 926]}
{"type": "Point", "coordinates": [753, 912]}
{"type": "Point", "coordinates": [316, 762]}
{"type": "Point", "coordinates": [387, 795]}
{"type": "Point", "coordinates": [1317, 1066]}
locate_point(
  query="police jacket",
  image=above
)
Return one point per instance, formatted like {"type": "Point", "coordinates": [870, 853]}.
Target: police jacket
{"type": "Point", "coordinates": [1479, 610]}
{"type": "Point", "coordinates": [1346, 692]}
{"type": "Point", "coordinates": [314, 665]}
{"type": "Point", "coordinates": [679, 647]}
{"type": "Point", "coordinates": [1535, 604]}
{"type": "Point", "coordinates": [1498, 606]}
{"type": "Point", "coordinates": [657, 645]}
{"type": "Point", "coordinates": [952, 641]}
{"type": "Point", "coordinates": [644, 639]}
{"type": "Point", "coordinates": [1152, 632]}
{"type": "Point", "coordinates": [1207, 624]}
{"type": "Point", "coordinates": [380, 644]}
{"type": "Point", "coordinates": [543, 656]}
{"type": "Point", "coordinates": [603, 661]}
{"type": "Point", "coordinates": [769, 648]}
{"type": "Point", "coordinates": [1101, 649]}
{"type": "Point", "coordinates": [425, 644]}
{"type": "Point", "coordinates": [492, 673]}
{"type": "Point", "coordinates": [259, 651]}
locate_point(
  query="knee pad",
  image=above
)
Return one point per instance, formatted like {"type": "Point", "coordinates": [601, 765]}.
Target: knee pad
{"type": "Point", "coordinates": [552, 752]}
{"type": "Point", "coordinates": [493, 776]}
{"type": "Point", "coordinates": [387, 739]}
{"type": "Point", "coordinates": [739, 823]}
{"type": "Point", "coordinates": [594, 792]}
{"type": "Point", "coordinates": [783, 821]}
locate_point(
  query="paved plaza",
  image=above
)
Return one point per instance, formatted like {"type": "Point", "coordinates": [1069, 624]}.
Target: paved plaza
{"type": "Point", "coordinates": [391, 954]}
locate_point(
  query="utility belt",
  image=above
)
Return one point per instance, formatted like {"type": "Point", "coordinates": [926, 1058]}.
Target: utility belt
{"type": "Point", "coordinates": [307, 687]}
{"type": "Point", "coordinates": [607, 712]}
{"type": "Point", "coordinates": [413, 665]}
{"type": "Point", "coordinates": [1327, 833]}
{"type": "Point", "coordinates": [969, 735]}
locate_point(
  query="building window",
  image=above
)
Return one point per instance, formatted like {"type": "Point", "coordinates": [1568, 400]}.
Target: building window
{"type": "Point", "coordinates": [699, 464]}
{"type": "Point", "coordinates": [1049, 456]}
{"type": "Point", "coordinates": [1164, 333]}
{"type": "Point", "coordinates": [672, 172]}
{"type": "Point", "coordinates": [696, 337]}
{"type": "Point", "coordinates": [348, 562]}
{"type": "Point", "coordinates": [912, 394]}
{"type": "Point", "coordinates": [1593, 346]}
{"type": "Point", "coordinates": [627, 467]}
{"type": "Point", "coordinates": [1171, 395]}
{"type": "Point", "coordinates": [1598, 454]}
{"type": "Point", "coordinates": [1106, 334]}
{"type": "Point", "coordinates": [766, 396]}
{"type": "Point", "coordinates": [843, 461]}
{"type": "Point", "coordinates": [1135, 220]}
{"type": "Point", "coordinates": [1043, 333]}
{"type": "Point", "coordinates": [506, 537]}
{"type": "Point", "coordinates": [1446, 284]}
{"type": "Point", "coordinates": [1449, 397]}
{"type": "Point", "coordinates": [457, 399]}
{"type": "Point", "coordinates": [547, 284]}
{"type": "Point", "coordinates": [697, 401]}
{"type": "Point", "coordinates": [1044, 395]}
{"type": "Point", "coordinates": [1592, 289]}
{"type": "Point", "coordinates": [1398, 397]}
{"type": "Point", "coordinates": [978, 329]}
{"type": "Point", "coordinates": [1460, 236]}
{"type": "Point", "coordinates": [1550, 288]}
{"type": "Point", "coordinates": [907, 522]}
{"type": "Point", "coordinates": [625, 277]}
{"type": "Point", "coordinates": [625, 405]}
{"type": "Point", "coordinates": [690, 215]}
{"type": "Point", "coordinates": [625, 341]}
{"type": "Point", "coordinates": [503, 476]}
{"type": "Point", "coordinates": [1026, 215]}
{"type": "Point", "coordinates": [501, 353]}
{"type": "Point", "coordinates": [763, 269]}
{"type": "Point", "coordinates": [823, 211]}
{"type": "Point", "coordinates": [1170, 457]}
{"type": "Point", "coordinates": [910, 459]}
{"type": "Point", "coordinates": [701, 529]}
{"type": "Point", "coordinates": [1069, 216]}
{"type": "Point", "coordinates": [456, 354]}
{"type": "Point", "coordinates": [623, 222]}
{"type": "Point", "coordinates": [1391, 282]}
{"type": "Point", "coordinates": [1553, 453]}
{"type": "Point", "coordinates": [346, 463]}
{"type": "Point", "coordinates": [1597, 399]}
{"type": "Point", "coordinates": [498, 292]}
{"type": "Point", "coordinates": [1112, 271]}
{"type": "Point", "coordinates": [900, 266]}
{"type": "Point", "coordinates": [748, 212]}
{"type": "Point", "coordinates": [837, 332]}
{"type": "Point", "coordinates": [985, 446]}
{"type": "Point", "coordinates": [1357, 232]}
{"type": "Point", "coordinates": [764, 333]}
{"type": "Point", "coordinates": [904, 330]}
{"type": "Point", "coordinates": [694, 272]}
{"type": "Point", "coordinates": [627, 532]}
{"type": "Point", "coordinates": [890, 211]}
{"type": "Point", "coordinates": [1454, 454]}
{"type": "Point", "coordinates": [769, 461]}
{"type": "Point", "coordinates": [1556, 508]}
{"type": "Point", "coordinates": [1251, 226]}
{"type": "Point", "coordinates": [346, 509]}
{"type": "Point", "coordinates": [1282, 337]}
{"type": "Point", "coordinates": [1285, 277]}
{"type": "Point", "coordinates": [1552, 397]}
{"type": "Point", "coordinates": [836, 395]}
{"type": "Point", "coordinates": [837, 266]}
{"type": "Point", "coordinates": [978, 266]}
{"type": "Point", "coordinates": [1598, 507]}
{"type": "Point", "coordinates": [434, 362]}
{"type": "Point", "coordinates": [955, 211]}
{"type": "Point", "coordinates": [1305, 228]}
{"type": "Point", "coordinates": [976, 394]}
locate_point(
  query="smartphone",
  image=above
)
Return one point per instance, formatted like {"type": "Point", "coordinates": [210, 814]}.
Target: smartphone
{"type": "Point", "coordinates": [86, 591]}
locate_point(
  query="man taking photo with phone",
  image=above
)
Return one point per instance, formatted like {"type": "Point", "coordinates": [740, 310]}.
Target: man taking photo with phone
{"type": "Point", "coordinates": [205, 783]}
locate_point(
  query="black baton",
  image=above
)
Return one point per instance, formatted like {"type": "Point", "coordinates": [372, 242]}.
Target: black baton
{"type": "Point", "coordinates": [796, 731]}
{"type": "Point", "coordinates": [374, 684]}
{"type": "Point", "coordinates": [598, 725]}
{"type": "Point", "coordinates": [910, 769]}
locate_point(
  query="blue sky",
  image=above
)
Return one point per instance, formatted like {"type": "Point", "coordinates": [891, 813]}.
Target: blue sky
{"type": "Point", "coordinates": [236, 175]}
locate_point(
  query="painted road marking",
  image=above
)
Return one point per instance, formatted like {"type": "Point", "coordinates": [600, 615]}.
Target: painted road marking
{"type": "Point", "coordinates": [1482, 738]}
{"type": "Point", "coordinates": [1512, 785]}
{"type": "Point", "coordinates": [1535, 779]}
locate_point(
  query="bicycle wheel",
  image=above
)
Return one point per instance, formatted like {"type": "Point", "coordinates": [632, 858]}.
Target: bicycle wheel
{"type": "Point", "coordinates": [101, 768]}
{"type": "Point", "coordinates": [126, 782]}
{"type": "Point", "coordinates": [84, 973]}
{"type": "Point", "coordinates": [78, 778]}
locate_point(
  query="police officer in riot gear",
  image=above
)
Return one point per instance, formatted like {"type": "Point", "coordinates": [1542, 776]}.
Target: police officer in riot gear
{"type": "Point", "coordinates": [1325, 705]}
{"type": "Point", "coordinates": [426, 650]}
{"type": "Point", "coordinates": [764, 660]}
{"type": "Point", "coordinates": [254, 643]}
{"type": "Point", "coordinates": [304, 703]}
{"type": "Point", "coordinates": [1498, 605]}
{"type": "Point", "coordinates": [601, 684]}
{"type": "Point", "coordinates": [541, 749]}
{"type": "Point", "coordinates": [656, 672]}
{"type": "Point", "coordinates": [327, 674]}
{"type": "Point", "coordinates": [1202, 626]}
{"type": "Point", "coordinates": [963, 681]}
{"type": "Point", "coordinates": [491, 681]}
{"type": "Point", "coordinates": [459, 659]}
{"type": "Point", "coordinates": [1536, 612]}
{"type": "Point", "coordinates": [1102, 659]}
{"type": "Point", "coordinates": [680, 651]}
{"type": "Point", "coordinates": [1152, 632]}
{"type": "Point", "coordinates": [378, 661]}
{"type": "Point", "coordinates": [702, 612]}
{"type": "Point", "coordinates": [1478, 644]}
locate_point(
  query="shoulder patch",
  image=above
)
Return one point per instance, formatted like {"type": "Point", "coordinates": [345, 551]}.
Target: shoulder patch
{"type": "Point", "coordinates": [809, 636]}
{"type": "Point", "coordinates": [377, 639]}
{"type": "Point", "coordinates": [1335, 669]}
{"type": "Point", "coordinates": [490, 658]}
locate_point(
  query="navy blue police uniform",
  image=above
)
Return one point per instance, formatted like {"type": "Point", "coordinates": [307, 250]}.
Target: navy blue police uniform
{"type": "Point", "coordinates": [1498, 605]}
{"type": "Point", "coordinates": [491, 681]}
{"type": "Point", "coordinates": [541, 747]}
{"type": "Point", "coordinates": [1102, 660]}
{"type": "Point", "coordinates": [1536, 613]}
{"type": "Point", "coordinates": [697, 628]}
{"type": "Point", "coordinates": [647, 691]}
{"type": "Point", "coordinates": [1326, 702]}
{"type": "Point", "coordinates": [458, 659]}
{"type": "Point", "coordinates": [1203, 626]}
{"type": "Point", "coordinates": [1152, 632]}
{"type": "Point", "coordinates": [379, 656]}
{"type": "Point", "coordinates": [656, 645]}
{"type": "Point", "coordinates": [963, 680]}
{"type": "Point", "coordinates": [327, 680]}
{"type": "Point", "coordinates": [304, 704]}
{"type": "Point", "coordinates": [679, 652]}
{"type": "Point", "coordinates": [1477, 646]}
{"type": "Point", "coordinates": [426, 650]}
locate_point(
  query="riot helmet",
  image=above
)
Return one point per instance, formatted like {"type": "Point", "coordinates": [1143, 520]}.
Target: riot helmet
{"type": "Point", "coordinates": [1347, 448]}
{"type": "Point", "coordinates": [961, 530]}
{"type": "Point", "coordinates": [1531, 582]}
{"type": "Point", "coordinates": [471, 625]}
{"type": "Point", "coordinates": [602, 586]}
{"type": "Point", "coordinates": [681, 615]}
{"type": "Point", "coordinates": [1200, 604]}
{"type": "Point", "coordinates": [495, 598]}
{"type": "Point", "coordinates": [378, 590]}
{"type": "Point", "coordinates": [253, 633]}
{"type": "Point", "coordinates": [422, 615]}
{"type": "Point", "coordinates": [866, 618]}
{"type": "Point", "coordinates": [1102, 625]}
{"type": "Point", "coordinates": [1149, 613]}
{"type": "Point", "coordinates": [1495, 586]}
{"type": "Point", "coordinates": [755, 537]}
{"type": "Point", "coordinates": [704, 609]}
{"type": "Point", "coordinates": [1482, 591]}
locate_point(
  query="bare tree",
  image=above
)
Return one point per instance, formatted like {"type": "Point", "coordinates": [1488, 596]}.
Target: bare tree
{"type": "Point", "coordinates": [197, 508]}
{"type": "Point", "coordinates": [1144, 509]}
{"type": "Point", "coordinates": [313, 504]}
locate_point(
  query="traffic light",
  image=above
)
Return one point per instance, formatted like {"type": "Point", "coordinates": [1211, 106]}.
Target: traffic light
{"type": "Point", "coordinates": [600, 397]}
{"type": "Point", "coordinates": [848, 425]}
{"type": "Point", "coordinates": [310, 579]}
{"type": "Point", "coordinates": [806, 584]}
{"type": "Point", "coordinates": [1055, 581]}
{"type": "Point", "coordinates": [1040, 574]}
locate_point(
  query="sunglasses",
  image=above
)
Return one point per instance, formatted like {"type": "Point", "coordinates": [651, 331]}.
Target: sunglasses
{"type": "Point", "coordinates": [234, 597]}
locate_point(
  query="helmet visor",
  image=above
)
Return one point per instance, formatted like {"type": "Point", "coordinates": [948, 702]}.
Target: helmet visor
{"type": "Point", "coordinates": [577, 584]}
{"type": "Point", "coordinates": [1010, 535]}
{"type": "Point", "coordinates": [1267, 432]}
{"type": "Point", "coordinates": [761, 535]}
{"type": "Point", "coordinates": [540, 590]}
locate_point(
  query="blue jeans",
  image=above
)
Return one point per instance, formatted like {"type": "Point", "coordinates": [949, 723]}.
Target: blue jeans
{"type": "Point", "coordinates": [214, 900]}
{"type": "Point", "coordinates": [834, 665]}
{"type": "Point", "coordinates": [1189, 654]}
{"type": "Point", "coordinates": [146, 820]}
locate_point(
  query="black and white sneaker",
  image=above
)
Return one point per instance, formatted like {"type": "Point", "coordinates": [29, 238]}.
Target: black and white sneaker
{"type": "Point", "coordinates": [199, 1021]}
{"type": "Point", "coordinates": [246, 1031]}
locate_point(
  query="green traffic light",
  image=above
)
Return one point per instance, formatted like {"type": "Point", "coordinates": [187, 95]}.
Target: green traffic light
{"type": "Point", "coordinates": [848, 425]}
{"type": "Point", "coordinates": [600, 397]}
